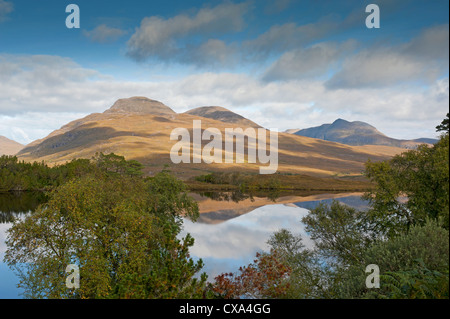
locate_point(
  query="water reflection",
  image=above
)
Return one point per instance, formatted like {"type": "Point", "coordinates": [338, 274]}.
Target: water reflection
{"type": "Point", "coordinates": [15, 204]}
{"type": "Point", "coordinates": [227, 245]}
{"type": "Point", "coordinates": [229, 232]}
{"type": "Point", "coordinates": [232, 226]}
{"type": "Point", "coordinates": [12, 205]}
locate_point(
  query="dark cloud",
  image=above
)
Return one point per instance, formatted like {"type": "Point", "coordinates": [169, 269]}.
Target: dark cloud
{"type": "Point", "coordinates": [311, 62]}
{"type": "Point", "coordinates": [422, 60]}
{"type": "Point", "coordinates": [165, 39]}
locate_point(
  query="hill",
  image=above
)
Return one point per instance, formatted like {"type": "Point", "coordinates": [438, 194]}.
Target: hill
{"type": "Point", "coordinates": [139, 128]}
{"type": "Point", "coordinates": [9, 147]}
{"type": "Point", "coordinates": [222, 114]}
{"type": "Point", "coordinates": [140, 105]}
{"type": "Point", "coordinates": [357, 133]}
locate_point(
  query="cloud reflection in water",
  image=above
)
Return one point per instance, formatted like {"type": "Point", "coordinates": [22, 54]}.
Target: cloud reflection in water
{"type": "Point", "coordinates": [226, 246]}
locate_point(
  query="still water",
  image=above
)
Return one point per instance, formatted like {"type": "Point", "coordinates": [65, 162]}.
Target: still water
{"type": "Point", "coordinates": [13, 205]}
{"type": "Point", "coordinates": [229, 232]}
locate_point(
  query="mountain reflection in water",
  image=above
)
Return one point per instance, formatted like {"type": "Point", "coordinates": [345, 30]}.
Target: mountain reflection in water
{"type": "Point", "coordinates": [233, 227]}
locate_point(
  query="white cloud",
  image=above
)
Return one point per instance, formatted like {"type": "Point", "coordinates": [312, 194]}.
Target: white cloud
{"type": "Point", "coordinates": [41, 93]}
{"type": "Point", "coordinates": [103, 34]}
{"type": "Point", "coordinates": [26, 127]}
{"type": "Point", "coordinates": [42, 83]}
{"type": "Point", "coordinates": [243, 236]}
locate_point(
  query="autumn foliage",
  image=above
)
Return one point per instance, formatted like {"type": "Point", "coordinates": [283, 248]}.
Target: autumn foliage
{"type": "Point", "coordinates": [267, 277]}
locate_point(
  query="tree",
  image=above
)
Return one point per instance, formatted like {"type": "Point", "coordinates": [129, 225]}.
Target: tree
{"type": "Point", "coordinates": [116, 164]}
{"type": "Point", "coordinates": [122, 233]}
{"type": "Point", "coordinates": [410, 188]}
{"type": "Point", "coordinates": [309, 277]}
{"type": "Point", "coordinates": [444, 126]}
{"type": "Point", "coordinates": [265, 278]}
{"type": "Point", "coordinates": [339, 233]}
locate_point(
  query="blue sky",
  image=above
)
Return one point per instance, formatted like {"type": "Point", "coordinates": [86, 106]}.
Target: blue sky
{"type": "Point", "coordinates": [282, 63]}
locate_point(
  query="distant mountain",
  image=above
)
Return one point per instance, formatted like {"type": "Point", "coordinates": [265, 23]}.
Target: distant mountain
{"type": "Point", "coordinates": [9, 147]}
{"type": "Point", "coordinates": [356, 134]}
{"type": "Point", "coordinates": [222, 114]}
{"type": "Point", "coordinates": [139, 128]}
{"type": "Point", "coordinates": [425, 140]}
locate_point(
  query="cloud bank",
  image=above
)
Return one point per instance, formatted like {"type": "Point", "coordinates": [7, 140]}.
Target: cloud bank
{"type": "Point", "coordinates": [56, 90]}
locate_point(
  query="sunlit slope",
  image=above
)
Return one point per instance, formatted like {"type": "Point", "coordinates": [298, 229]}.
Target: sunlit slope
{"type": "Point", "coordinates": [144, 135]}
{"type": "Point", "coordinates": [9, 147]}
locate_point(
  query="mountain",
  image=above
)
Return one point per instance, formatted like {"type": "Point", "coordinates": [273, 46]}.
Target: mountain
{"type": "Point", "coordinates": [356, 134]}
{"type": "Point", "coordinates": [222, 114]}
{"type": "Point", "coordinates": [139, 128]}
{"type": "Point", "coordinates": [9, 147]}
{"type": "Point", "coordinates": [141, 105]}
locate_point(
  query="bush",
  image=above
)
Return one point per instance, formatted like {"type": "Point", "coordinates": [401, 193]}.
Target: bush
{"type": "Point", "coordinates": [421, 252]}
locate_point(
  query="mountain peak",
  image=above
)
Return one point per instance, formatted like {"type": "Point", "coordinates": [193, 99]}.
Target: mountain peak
{"type": "Point", "coordinates": [140, 104]}
{"type": "Point", "coordinates": [355, 133]}
{"type": "Point", "coordinates": [222, 114]}
{"type": "Point", "coordinates": [9, 147]}
{"type": "Point", "coordinates": [339, 120]}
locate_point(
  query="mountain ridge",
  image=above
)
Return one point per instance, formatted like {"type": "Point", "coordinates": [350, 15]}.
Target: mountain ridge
{"type": "Point", "coordinates": [140, 129]}
{"type": "Point", "coordinates": [356, 133]}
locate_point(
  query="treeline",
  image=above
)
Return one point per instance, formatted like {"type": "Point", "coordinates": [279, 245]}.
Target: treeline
{"type": "Point", "coordinates": [278, 182]}
{"type": "Point", "coordinates": [18, 175]}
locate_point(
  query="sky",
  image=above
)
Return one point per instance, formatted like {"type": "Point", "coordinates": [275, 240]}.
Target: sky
{"type": "Point", "coordinates": [282, 63]}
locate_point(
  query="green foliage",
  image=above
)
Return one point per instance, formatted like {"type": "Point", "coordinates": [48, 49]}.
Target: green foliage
{"type": "Point", "coordinates": [18, 175]}
{"type": "Point", "coordinates": [420, 283]}
{"type": "Point", "coordinates": [170, 197]}
{"type": "Point", "coordinates": [235, 178]}
{"type": "Point", "coordinates": [428, 243]}
{"type": "Point", "coordinates": [120, 230]}
{"type": "Point", "coordinates": [338, 232]}
{"type": "Point", "coordinates": [117, 165]}
{"type": "Point", "coordinates": [309, 276]}
{"type": "Point", "coordinates": [414, 264]}
{"type": "Point", "coordinates": [410, 188]}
